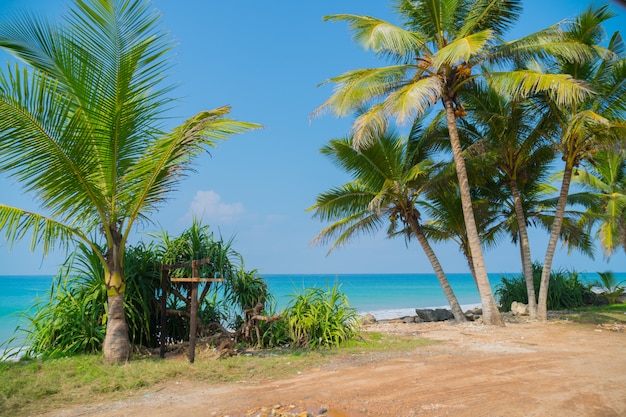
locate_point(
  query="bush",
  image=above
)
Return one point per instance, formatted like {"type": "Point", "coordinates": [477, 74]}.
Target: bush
{"type": "Point", "coordinates": [566, 291]}
{"type": "Point", "coordinates": [318, 317]}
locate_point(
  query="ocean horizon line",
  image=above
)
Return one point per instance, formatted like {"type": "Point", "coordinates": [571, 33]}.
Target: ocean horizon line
{"type": "Point", "coordinates": [348, 273]}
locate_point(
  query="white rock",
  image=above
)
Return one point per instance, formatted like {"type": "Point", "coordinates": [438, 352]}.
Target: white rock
{"type": "Point", "coordinates": [519, 309]}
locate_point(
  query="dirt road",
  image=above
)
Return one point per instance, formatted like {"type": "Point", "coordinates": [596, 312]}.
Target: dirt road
{"type": "Point", "coordinates": [524, 369]}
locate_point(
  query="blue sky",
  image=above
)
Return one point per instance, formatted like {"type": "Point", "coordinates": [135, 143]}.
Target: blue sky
{"type": "Point", "coordinates": [266, 60]}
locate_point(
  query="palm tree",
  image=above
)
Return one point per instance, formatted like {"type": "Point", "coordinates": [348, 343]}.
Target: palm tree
{"type": "Point", "coordinates": [604, 195]}
{"type": "Point", "coordinates": [81, 129]}
{"type": "Point", "coordinates": [443, 208]}
{"type": "Point", "coordinates": [584, 126]}
{"type": "Point", "coordinates": [436, 56]}
{"type": "Point", "coordinates": [388, 179]}
{"type": "Point", "coordinates": [509, 137]}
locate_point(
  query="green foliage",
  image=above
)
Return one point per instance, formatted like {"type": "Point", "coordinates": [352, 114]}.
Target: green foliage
{"type": "Point", "coordinates": [611, 289]}
{"type": "Point", "coordinates": [608, 314]}
{"type": "Point", "coordinates": [143, 281]}
{"type": "Point", "coordinates": [248, 289]}
{"type": "Point", "coordinates": [195, 243]}
{"type": "Point", "coordinates": [319, 317]}
{"type": "Point", "coordinates": [248, 297]}
{"type": "Point", "coordinates": [72, 318]}
{"type": "Point", "coordinates": [566, 290]}
{"type": "Point", "coordinates": [276, 333]}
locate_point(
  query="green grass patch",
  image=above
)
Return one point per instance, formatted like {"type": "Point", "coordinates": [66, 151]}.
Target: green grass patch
{"type": "Point", "coordinates": [615, 313]}
{"type": "Point", "coordinates": [34, 387]}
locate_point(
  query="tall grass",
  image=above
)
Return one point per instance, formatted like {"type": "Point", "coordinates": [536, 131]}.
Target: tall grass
{"type": "Point", "coordinates": [321, 317]}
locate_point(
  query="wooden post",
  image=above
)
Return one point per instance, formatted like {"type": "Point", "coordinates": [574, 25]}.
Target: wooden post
{"type": "Point", "coordinates": [193, 316]}
{"type": "Point", "coordinates": [164, 286]}
{"type": "Point", "coordinates": [192, 300]}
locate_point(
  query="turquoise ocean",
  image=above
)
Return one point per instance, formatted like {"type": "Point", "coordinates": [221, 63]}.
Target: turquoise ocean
{"type": "Point", "coordinates": [383, 295]}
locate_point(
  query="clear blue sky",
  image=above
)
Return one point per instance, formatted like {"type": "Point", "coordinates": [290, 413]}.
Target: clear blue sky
{"type": "Point", "coordinates": [266, 59]}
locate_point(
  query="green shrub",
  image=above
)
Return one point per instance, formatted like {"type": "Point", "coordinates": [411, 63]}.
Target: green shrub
{"type": "Point", "coordinates": [319, 317]}
{"type": "Point", "coordinates": [566, 290]}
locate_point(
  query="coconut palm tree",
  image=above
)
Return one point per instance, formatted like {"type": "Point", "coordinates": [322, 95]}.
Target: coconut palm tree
{"type": "Point", "coordinates": [81, 128]}
{"type": "Point", "coordinates": [604, 195]}
{"type": "Point", "coordinates": [437, 53]}
{"type": "Point", "coordinates": [388, 179]}
{"type": "Point", "coordinates": [444, 211]}
{"type": "Point", "coordinates": [583, 127]}
{"type": "Point", "coordinates": [507, 135]}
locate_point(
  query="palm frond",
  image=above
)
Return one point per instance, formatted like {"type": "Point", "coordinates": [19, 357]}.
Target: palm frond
{"type": "Point", "coordinates": [380, 36]}
{"type": "Point", "coordinates": [433, 18]}
{"type": "Point", "coordinates": [47, 232]}
{"type": "Point", "coordinates": [356, 89]}
{"type": "Point", "coordinates": [369, 125]}
{"type": "Point", "coordinates": [496, 15]}
{"type": "Point", "coordinates": [346, 229]}
{"type": "Point", "coordinates": [563, 88]}
{"type": "Point", "coordinates": [39, 126]}
{"type": "Point", "coordinates": [544, 45]}
{"type": "Point", "coordinates": [462, 49]}
{"type": "Point", "coordinates": [165, 164]}
{"type": "Point", "coordinates": [412, 100]}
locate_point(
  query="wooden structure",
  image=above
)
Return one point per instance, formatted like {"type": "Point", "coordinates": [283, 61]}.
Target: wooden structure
{"type": "Point", "coordinates": [192, 296]}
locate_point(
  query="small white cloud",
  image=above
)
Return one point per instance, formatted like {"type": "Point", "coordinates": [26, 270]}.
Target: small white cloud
{"type": "Point", "coordinates": [208, 205]}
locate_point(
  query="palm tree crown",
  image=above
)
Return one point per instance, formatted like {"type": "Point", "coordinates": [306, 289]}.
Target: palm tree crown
{"type": "Point", "coordinates": [389, 177]}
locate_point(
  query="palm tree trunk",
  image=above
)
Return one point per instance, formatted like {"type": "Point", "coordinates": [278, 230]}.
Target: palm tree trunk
{"type": "Point", "coordinates": [542, 307]}
{"type": "Point", "coordinates": [470, 265]}
{"type": "Point", "coordinates": [116, 347]}
{"type": "Point", "coordinates": [455, 307]}
{"type": "Point", "coordinates": [524, 243]}
{"type": "Point", "coordinates": [491, 315]}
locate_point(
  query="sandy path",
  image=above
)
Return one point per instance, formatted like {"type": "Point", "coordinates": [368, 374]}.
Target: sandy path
{"type": "Point", "coordinates": [523, 369]}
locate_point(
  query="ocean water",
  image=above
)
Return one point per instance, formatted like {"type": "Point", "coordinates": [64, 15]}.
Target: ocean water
{"type": "Point", "coordinates": [380, 294]}
{"type": "Point", "coordinates": [17, 297]}
{"type": "Point", "coordinates": [383, 295]}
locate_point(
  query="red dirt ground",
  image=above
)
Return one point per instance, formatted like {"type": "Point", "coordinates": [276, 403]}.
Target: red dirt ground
{"type": "Point", "coordinates": [557, 368]}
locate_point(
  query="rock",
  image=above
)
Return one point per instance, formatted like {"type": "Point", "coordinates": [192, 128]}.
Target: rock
{"type": "Point", "coordinates": [438, 314]}
{"type": "Point", "coordinates": [469, 315]}
{"type": "Point", "coordinates": [368, 319]}
{"type": "Point", "coordinates": [602, 301]}
{"type": "Point", "coordinates": [519, 309]}
{"type": "Point", "coordinates": [408, 319]}
{"type": "Point", "coordinates": [442, 314]}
